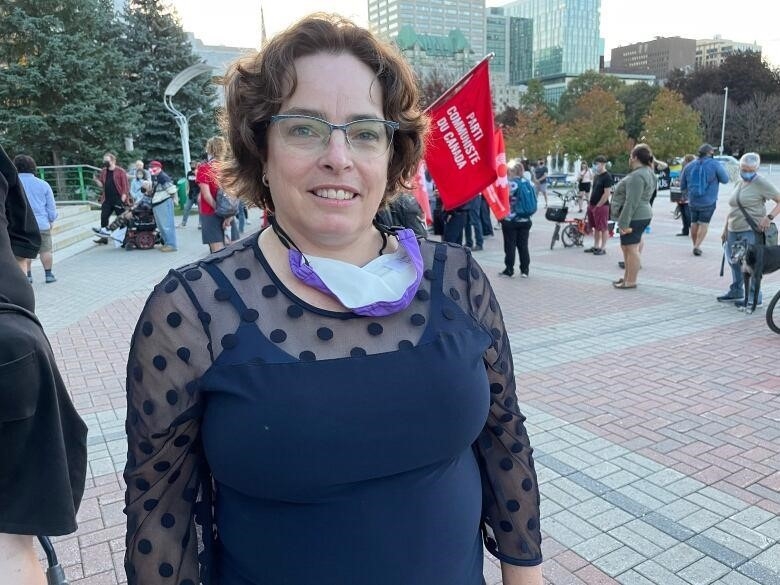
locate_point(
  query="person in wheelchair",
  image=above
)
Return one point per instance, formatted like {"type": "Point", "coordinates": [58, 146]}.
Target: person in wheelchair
{"type": "Point", "coordinates": [136, 218]}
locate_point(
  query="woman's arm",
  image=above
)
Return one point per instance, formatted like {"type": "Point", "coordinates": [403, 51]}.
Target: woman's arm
{"type": "Point", "coordinates": [635, 187]}
{"type": "Point", "coordinates": [18, 561]}
{"type": "Point", "coordinates": [205, 192]}
{"type": "Point", "coordinates": [514, 575]}
{"type": "Point", "coordinates": [764, 223]}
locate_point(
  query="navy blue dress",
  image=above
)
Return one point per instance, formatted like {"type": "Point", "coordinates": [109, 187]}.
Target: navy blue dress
{"type": "Point", "coordinates": [321, 447]}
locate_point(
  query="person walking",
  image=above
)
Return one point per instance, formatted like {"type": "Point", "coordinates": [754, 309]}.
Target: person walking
{"type": "Point", "coordinates": [515, 229]}
{"type": "Point", "coordinates": [598, 206]}
{"type": "Point", "coordinates": [115, 190]}
{"type": "Point", "coordinates": [41, 199]}
{"type": "Point", "coordinates": [540, 179]}
{"type": "Point", "coordinates": [631, 208]}
{"type": "Point", "coordinates": [701, 179]}
{"type": "Point", "coordinates": [163, 193]}
{"type": "Point", "coordinates": [748, 222]}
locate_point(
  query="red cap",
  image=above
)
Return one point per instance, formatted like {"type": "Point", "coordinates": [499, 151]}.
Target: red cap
{"type": "Point", "coordinates": [155, 163]}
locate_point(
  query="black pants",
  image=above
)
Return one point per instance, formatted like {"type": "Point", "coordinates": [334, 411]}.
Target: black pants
{"type": "Point", "coordinates": [454, 222]}
{"type": "Point", "coordinates": [685, 216]}
{"type": "Point", "coordinates": [107, 208]}
{"type": "Point", "coordinates": [516, 238]}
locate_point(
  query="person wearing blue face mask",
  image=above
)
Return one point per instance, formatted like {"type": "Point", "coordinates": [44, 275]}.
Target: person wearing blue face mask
{"type": "Point", "coordinates": [748, 222]}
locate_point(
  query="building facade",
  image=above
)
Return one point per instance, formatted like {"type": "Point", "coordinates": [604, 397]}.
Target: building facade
{"type": "Point", "coordinates": [509, 39]}
{"type": "Point", "coordinates": [565, 39]}
{"type": "Point", "coordinates": [712, 52]}
{"type": "Point", "coordinates": [657, 57]}
{"type": "Point", "coordinates": [432, 17]}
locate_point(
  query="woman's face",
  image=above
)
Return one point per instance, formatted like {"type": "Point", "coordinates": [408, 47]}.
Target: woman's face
{"type": "Point", "coordinates": [328, 197]}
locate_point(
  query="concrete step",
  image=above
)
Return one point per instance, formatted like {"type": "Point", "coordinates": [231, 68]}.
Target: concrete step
{"type": "Point", "coordinates": [74, 225]}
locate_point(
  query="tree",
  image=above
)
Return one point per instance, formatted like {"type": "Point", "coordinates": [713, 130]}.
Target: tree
{"type": "Point", "coordinates": [582, 85]}
{"type": "Point", "coordinates": [747, 75]}
{"type": "Point", "coordinates": [636, 100]}
{"type": "Point", "coordinates": [433, 84]}
{"type": "Point", "coordinates": [534, 134]}
{"type": "Point", "coordinates": [698, 82]}
{"type": "Point", "coordinates": [710, 108]}
{"type": "Point", "coordinates": [61, 97]}
{"type": "Point", "coordinates": [507, 118]}
{"type": "Point", "coordinates": [754, 125]}
{"type": "Point", "coordinates": [158, 50]}
{"type": "Point", "coordinates": [533, 98]}
{"type": "Point", "coordinates": [595, 126]}
{"type": "Point", "coordinates": [671, 126]}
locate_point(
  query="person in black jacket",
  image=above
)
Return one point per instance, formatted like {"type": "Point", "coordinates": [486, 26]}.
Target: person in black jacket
{"type": "Point", "coordinates": [43, 459]}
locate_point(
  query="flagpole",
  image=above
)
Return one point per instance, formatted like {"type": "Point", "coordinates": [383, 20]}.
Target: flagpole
{"type": "Point", "coordinates": [457, 84]}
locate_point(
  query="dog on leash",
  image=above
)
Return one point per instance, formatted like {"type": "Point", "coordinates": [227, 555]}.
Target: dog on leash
{"type": "Point", "coordinates": [758, 261]}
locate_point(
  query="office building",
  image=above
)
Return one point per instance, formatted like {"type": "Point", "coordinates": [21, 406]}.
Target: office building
{"type": "Point", "coordinates": [509, 38]}
{"type": "Point", "coordinates": [565, 39]}
{"type": "Point", "coordinates": [444, 57]}
{"type": "Point", "coordinates": [657, 57]}
{"type": "Point", "coordinates": [712, 52]}
{"type": "Point", "coordinates": [431, 17]}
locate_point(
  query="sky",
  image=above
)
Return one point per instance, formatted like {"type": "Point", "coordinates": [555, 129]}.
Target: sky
{"type": "Point", "coordinates": [237, 22]}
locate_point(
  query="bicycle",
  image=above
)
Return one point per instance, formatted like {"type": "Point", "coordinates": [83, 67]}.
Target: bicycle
{"type": "Point", "coordinates": [771, 319]}
{"type": "Point", "coordinates": [571, 231]}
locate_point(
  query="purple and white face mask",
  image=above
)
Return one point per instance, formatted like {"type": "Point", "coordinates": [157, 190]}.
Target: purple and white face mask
{"type": "Point", "coordinates": [384, 286]}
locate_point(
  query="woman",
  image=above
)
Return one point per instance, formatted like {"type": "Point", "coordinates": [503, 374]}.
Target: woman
{"type": "Point", "coordinates": [631, 209]}
{"type": "Point", "coordinates": [752, 193]}
{"type": "Point", "coordinates": [213, 227]}
{"type": "Point", "coordinates": [289, 392]}
{"type": "Point", "coordinates": [584, 180]}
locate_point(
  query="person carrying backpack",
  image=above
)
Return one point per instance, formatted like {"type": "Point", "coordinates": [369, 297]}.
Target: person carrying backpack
{"type": "Point", "coordinates": [516, 226]}
{"type": "Point", "coordinates": [701, 180]}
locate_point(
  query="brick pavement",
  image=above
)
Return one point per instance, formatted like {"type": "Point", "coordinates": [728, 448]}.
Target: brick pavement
{"type": "Point", "coordinates": [654, 412]}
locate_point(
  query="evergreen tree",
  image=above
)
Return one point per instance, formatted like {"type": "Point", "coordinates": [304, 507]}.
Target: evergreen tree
{"type": "Point", "coordinates": [61, 97]}
{"type": "Point", "coordinates": [158, 50]}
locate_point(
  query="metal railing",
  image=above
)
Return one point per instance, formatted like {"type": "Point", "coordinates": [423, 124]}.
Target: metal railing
{"type": "Point", "coordinates": [72, 182]}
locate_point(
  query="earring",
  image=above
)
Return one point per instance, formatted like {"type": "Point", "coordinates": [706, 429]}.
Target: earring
{"type": "Point", "coordinates": [265, 180]}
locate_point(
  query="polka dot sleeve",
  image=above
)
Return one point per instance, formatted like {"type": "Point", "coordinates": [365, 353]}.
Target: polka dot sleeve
{"type": "Point", "coordinates": [169, 352]}
{"type": "Point", "coordinates": [510, 492]}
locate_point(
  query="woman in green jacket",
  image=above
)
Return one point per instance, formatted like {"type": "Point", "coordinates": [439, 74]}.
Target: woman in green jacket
{"type": "Point", "coordinates": [631, 208]}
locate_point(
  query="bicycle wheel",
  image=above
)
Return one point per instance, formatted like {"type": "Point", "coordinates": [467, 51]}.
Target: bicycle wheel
{"type": "Point", "coordinates": [771, 319]}
{"type": "Point", "coordinates": [570, 236]}
{"type": "Point", "coordinates": [556, 232]}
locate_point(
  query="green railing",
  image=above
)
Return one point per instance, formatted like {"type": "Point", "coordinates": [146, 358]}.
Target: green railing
{"type": "Point", "coordinates": [72, 182]}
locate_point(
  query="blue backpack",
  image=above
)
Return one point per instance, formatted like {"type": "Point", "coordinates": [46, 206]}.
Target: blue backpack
{"type": "Point", "coordinates": [522, 197]}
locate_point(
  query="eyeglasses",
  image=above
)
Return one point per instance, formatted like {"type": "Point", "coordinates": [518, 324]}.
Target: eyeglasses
{"type": "Point", "coordinates": [369, 138]}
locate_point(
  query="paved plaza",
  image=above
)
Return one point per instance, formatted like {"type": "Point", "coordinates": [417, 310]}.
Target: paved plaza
{"type": "Point", "coordinates": [654, 412]}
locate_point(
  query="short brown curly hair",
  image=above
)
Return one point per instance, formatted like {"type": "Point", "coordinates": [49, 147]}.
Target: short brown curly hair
{"type": "Point", "coordinates": [257, 84]}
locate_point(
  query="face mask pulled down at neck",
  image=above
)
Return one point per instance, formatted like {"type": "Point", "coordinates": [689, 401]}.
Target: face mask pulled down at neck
{"type": "Point", "coordinates": [384, 286]}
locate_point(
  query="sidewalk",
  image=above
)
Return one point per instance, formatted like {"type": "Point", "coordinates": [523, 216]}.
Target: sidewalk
{"type": "Point", "coordinates": [655, 412]}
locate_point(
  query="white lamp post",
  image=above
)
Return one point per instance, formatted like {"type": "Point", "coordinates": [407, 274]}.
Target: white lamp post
{"type": "Point", "coordinates": [181, 120]}
{"type": "Point", "coordinates": [723, 126]}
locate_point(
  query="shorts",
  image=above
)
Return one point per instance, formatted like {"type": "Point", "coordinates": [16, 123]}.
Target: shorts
{"type": "Point", "coordinates": [701, 214]}
{"type": "Point", "coordinates": [637, 229]}
{"type": "Point", "coordinates": [211, 230]}
{"type": "Point", "coordinates": [541, 187]}
{"type": "Point", "coordinates": [584, 187]}
{"type": "Point", "coordinates": [46, 245]}
{"type": "Point", "coordinates": [598, 217]}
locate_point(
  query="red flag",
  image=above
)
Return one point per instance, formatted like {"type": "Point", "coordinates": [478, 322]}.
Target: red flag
{"type": "Point", "coordinates": [460, 153]}
{"type": "Point", "coordinates": [421, 193]}
{"type": "Point", "coordinates": [497, 194]}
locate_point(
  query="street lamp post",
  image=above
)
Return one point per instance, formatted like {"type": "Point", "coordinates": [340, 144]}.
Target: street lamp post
{"type": "Point", "coordinates": [182, 121]}
{"type": "Point", "coordinates": [723, 126]}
